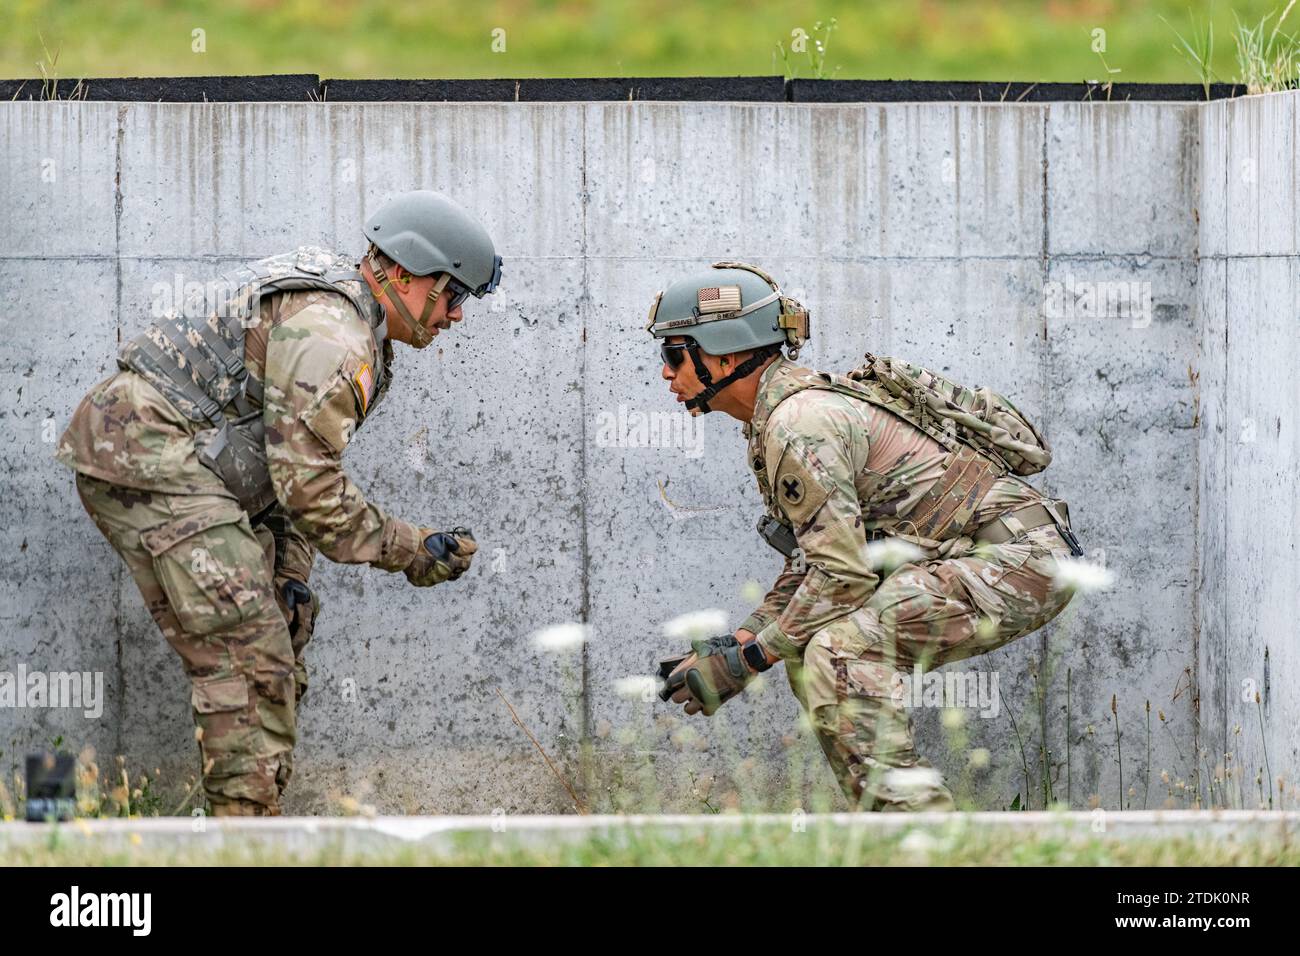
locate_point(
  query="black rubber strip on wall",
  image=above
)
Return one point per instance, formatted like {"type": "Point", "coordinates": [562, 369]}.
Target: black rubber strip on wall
{"type": "Point", "coordinates": [171, 89]}
{"type": "Point", "coordinates": [762, 89]}
{"type": "Point", "coordinates": [770, 89]}
{"type": "Point", "coordinates": [928, 91]}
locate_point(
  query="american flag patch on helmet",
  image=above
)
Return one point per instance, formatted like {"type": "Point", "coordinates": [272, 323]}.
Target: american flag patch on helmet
{"type": "Point", "coordinates": [724, 298]}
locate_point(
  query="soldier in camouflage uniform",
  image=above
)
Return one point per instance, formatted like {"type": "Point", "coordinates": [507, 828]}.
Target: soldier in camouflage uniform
{"type": "Point", "coordinates": [848, 467]}
{"type": "Point", "coordinates": [212, 462]}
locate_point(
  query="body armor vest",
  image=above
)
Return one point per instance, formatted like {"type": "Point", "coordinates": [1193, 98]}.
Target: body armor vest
{"type": "Point", "coordinates": [194, 356]}
{"type": "Point", "coordinates": [942, 512]}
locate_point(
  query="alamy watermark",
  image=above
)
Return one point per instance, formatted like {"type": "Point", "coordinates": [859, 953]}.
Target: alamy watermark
{"type": "Point", "coordinates": [976, 690]}
{"type": "Point", "coordinates": [633, 428]}
{"type": "Point", "coordinates": [80, 690]}
{"type": "Point", "coordinates": [220, 297]}
{"type": "Point", "coordinates": [132, 911]}
{"type": "Point", "coordinates": [1086, 299]}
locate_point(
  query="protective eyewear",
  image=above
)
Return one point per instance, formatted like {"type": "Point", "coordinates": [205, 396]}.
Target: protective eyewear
{"type": "Point", "coordinates": [674, 354]}
{"type": "Point", "coordinates": [459, 294]}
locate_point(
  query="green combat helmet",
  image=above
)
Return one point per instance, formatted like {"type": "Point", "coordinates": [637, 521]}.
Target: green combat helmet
{"type": "Point", "coordinates": [734, 307]}
{"type": "Point", "coordinates": [426, 233]}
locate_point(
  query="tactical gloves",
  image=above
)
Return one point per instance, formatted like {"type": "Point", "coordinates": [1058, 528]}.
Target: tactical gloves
{"type": "Point", "coordinates": [301, 607]}
{"type": "Point", "coordinates": [445, 557]}
{"type": "Point", "coordinates": [707, 678]}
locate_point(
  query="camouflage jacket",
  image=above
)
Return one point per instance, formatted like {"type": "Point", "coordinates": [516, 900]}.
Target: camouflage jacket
{"type": "Point", "coordinates": [840, 471]}
{"type": "Point", "coordinates": [318, 363]}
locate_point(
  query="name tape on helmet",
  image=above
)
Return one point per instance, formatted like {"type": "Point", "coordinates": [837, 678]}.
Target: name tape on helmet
{"type": "Point", "coordinates": [713, 317]}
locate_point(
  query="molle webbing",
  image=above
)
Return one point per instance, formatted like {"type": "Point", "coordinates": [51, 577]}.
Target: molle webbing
{"type": "Point", "coordinates": [196, 357]}
{"type": "Point", "coordinates": [951, 501]}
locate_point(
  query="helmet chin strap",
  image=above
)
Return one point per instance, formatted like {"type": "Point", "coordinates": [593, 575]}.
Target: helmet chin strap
{"type": "Point", "coordinates": [420, 335]}
{"type": "Point", "coordinates": [699, 405]}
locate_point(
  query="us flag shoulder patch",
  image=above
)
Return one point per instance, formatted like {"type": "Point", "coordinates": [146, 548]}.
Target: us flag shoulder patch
{"type": "Point", "coordinates": [365, 381]}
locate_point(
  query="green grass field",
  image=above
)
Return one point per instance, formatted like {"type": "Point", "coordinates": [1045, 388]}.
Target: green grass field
{"type": "Point", "coordinates": [1054, 40]}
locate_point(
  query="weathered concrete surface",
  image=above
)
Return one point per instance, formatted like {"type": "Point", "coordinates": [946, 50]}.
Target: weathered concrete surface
{"type": "Point", "coordinates": [958, 235]}
{"type": "Point", "coordinates": [1249, 571]}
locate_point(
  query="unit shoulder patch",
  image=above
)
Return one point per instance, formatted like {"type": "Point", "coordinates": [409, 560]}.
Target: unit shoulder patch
{"type": "Point", "coordinates": [798, 490]}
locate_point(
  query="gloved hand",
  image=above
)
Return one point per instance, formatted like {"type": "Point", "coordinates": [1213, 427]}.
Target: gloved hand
{"type": "Point", "coordinates": [301, 608]}
{"type": "Point", "coordinates": [707, 678]}
{"type": "Point", "coordinates": [301, 605]}
{"type": "Point", "coordinates": [445, 557]}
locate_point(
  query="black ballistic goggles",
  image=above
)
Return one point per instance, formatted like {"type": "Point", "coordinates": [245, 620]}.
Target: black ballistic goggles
{"type": "Point", "coordinates": [459, 294]}
{"type": "Point", "coordinates": [674, 354]}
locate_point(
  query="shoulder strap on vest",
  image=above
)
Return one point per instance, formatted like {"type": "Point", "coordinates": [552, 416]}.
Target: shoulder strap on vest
{"type": "Point", "coordinates": [792, 379]}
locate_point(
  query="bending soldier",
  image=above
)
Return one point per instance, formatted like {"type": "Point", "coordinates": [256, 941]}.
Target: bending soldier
{"type": "Point", "coordinates": [212, 462]}
{"type": "Point", "coordinates": [847, 463]}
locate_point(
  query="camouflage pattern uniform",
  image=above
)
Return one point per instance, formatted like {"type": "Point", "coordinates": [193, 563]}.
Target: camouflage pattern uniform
{"type": "Point", "coordinates": [841, 472]}
{"type": "Point", "coordinates": [211, 578]}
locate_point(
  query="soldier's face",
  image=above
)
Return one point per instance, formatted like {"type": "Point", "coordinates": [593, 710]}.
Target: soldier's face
{"type": "Point", "coordinates": [413, 290]}
{"type": "Point", "coordinates": [682, 380]}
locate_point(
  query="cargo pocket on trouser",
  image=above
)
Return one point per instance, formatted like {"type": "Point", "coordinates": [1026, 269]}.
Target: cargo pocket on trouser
{"type": "Point", "coordinates": [205, 564]}
{"type": "Point", "coordinates": [1024, 586]}
{"type": "Point", "coordinates": [875, 735]}
{"type": "Point", "coordinates": [241, 760]}
{"type": "Point", "coordinates": [985, 582]}
{"type": "Point", "coordinates": [228, 742]}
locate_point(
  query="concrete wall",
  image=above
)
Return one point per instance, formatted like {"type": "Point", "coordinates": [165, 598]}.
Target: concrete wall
{"type": "Point", "coordinates": [962, 236]}
{"type": "Point", "coordinates": [1249, 278]}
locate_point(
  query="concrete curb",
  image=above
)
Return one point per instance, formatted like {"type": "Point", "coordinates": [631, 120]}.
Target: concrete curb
{"type": "Point", "coordinates": [361, 834]}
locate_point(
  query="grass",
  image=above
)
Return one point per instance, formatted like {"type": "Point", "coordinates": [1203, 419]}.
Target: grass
{"type": "Point", "coordinates": [918, 39]}
{"type": "Point", "coordinates": [1197, 48]}
{"type": "Point", "coordinates": [643, 765]}
{"type": "Point", "coordinates": [1268, 60]}
{"type": "Point", "coordinates": [750, 844]}
{"type": "Point", "coordinates": [634, 759]}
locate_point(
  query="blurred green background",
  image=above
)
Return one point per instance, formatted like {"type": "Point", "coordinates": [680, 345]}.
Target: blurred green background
{"type": "Point", "coordinates": [898, 39]}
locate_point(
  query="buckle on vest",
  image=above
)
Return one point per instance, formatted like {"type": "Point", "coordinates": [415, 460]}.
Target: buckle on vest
{"type": "Point", "coordinates": [210, 409]}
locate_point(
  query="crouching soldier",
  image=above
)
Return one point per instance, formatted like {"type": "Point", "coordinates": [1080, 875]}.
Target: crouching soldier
{"type": "Point", "coordinates": [846, 464]}
{"type": "Point", "coordinates": [212, 462]}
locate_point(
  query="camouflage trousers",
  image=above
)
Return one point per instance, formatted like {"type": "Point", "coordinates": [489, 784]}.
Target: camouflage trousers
{"type": "Point", "coordinates": [922, 615]}
{"type": "Point", "coordinates": [213, 586]}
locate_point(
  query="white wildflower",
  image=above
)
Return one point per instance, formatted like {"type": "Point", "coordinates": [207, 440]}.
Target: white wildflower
{"type": "Point", "coordinates": [890, 553]}
{"type": "Point", "coordinates": [694, 625]}
{"type": "Point", "coordinates": [913, 779]}
{"type": "Point", "coordinates": [1084, 576]}
{"type": "Point", "coordinates": [919, 843]}
{"type": "Point", "coordinates": [561, 637]}
{"type": "Point", "coordinates": [636, 687]}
